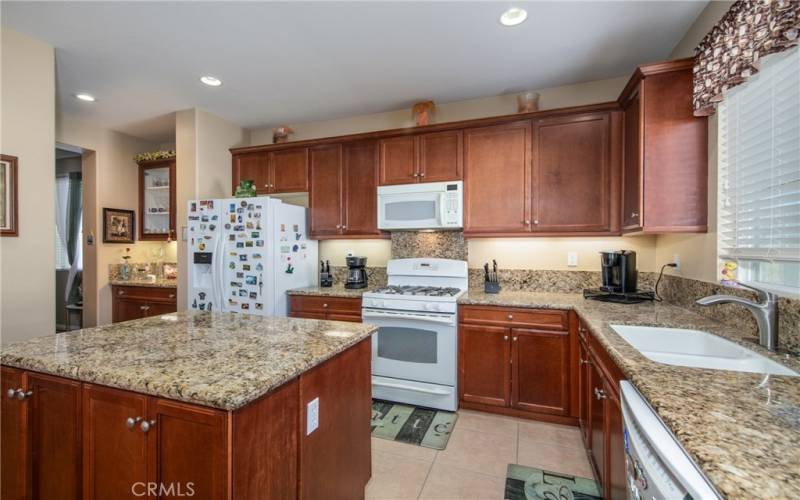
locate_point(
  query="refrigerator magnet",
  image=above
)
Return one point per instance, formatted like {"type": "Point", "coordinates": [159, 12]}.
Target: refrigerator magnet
{"type": "Point", "coordinates": [297, 236]}
{"type": "Point", "coordinates": [283, 228]}
{"type": "Point", "coordinates": [249, 225]}
{"type": "Point", "coordinates": [251, 280]}
{"type": "Point", "coordinates": [256, 255]}
{"type": "Point", "coordinates": [259, 267]}
{"type": "Point", "coordinates": [243, 257]}
{"type": "Point", "coordinates": [239, 244]}
{"type": "Point", "coordinates": [295, 248]}
{"type": "Point", "coordinates": [259, 306]}
{"type": "Point", "coordinates": [253, 295]}
{"type": "Point", "coordinates": [255, 234]}
{"type": "Point", "coordinates": [242, 292]}
{"type": "Point", "coordinates": [285, 248]}
{"type": "Point", "coordinates": [232, 207]}
{"type": "Point", "coordinates": [243, 204]}
{"type": "Point", "coordinates": [296, 228]}
{"type": "Point", "coordinates": [289, 269]}
{"type": "Point", "coordinates": [259, 243]}
{"type": "Point", "coordinates": [250, 207]}
{"type": "Point", "coordinates": [248, 244]}
{"type": "Point", "coordinates": [245, 306]}
{"type": "Point", "coordinates": [231, 265]}
{"type": "Point", "coordinates": [245, 267]}
{"type": "Point", "coordinates": [194, 207]}
{"type": "Point", "coordinates": [239, 274]}
{"type": "Point", "coordinates": [210, 204]}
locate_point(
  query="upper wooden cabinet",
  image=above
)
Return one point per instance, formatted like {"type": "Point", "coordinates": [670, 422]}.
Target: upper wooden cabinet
{"type": "Point", "coordinates": [433, 157]}
{"type": "Point", "coordinates": [343, 194]}
{"type": "Point", "coordinates": [665, 177]}
{"type": "Point", "coordinates": [283, 171]}
{"type": "Point", "coordinates": [497, 177]}
{"type": "Point", "coordinates": [576, 173]}
{"type": "Point", "coordinates": [157, 199]}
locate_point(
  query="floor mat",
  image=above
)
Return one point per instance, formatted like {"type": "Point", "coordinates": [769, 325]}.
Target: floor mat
{"type": "Point", "coordinates": [528, 483]}
{"type": "Point", "coordinates": [412, 424]}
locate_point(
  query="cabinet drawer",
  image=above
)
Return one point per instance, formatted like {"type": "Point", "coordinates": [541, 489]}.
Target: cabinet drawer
{"type": "Point", "coordinates": [145, 292]}
{"type": "Point", "coordinates": [546, 319]}
{"type": "Point", "coordinates": [314, 303]}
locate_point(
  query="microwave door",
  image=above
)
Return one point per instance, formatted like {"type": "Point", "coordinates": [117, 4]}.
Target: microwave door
{"type": "Point", "coordinates": [417, 211]}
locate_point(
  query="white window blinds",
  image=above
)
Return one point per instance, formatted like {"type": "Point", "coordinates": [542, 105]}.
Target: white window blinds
{"type": "Point", "coordinates": [759, 173]}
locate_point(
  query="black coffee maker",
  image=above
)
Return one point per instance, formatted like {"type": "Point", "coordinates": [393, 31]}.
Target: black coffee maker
{"type": "Point", "coordinates": [619, 276]}
{"type": "Point", "coordinates": [618, 271]}
{"type": "Point", "coordinates": [356, 272]}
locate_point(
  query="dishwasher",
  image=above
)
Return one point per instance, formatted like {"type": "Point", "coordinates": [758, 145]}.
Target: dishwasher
{"type": "Point", "coordinates": [656, 465]}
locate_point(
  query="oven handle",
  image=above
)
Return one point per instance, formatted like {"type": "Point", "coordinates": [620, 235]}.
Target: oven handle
{"type": "Point", "coordinates": [437, 392]}
{"type": "Point", "coordinates": [429, 319]}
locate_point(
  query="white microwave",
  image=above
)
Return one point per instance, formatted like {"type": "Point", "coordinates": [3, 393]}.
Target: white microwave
{"type": "Point", "coordinates": [427, 205]}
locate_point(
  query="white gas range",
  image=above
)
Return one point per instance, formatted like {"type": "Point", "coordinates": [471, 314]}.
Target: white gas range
{"type": "Point", "coordinates": [414, 352]}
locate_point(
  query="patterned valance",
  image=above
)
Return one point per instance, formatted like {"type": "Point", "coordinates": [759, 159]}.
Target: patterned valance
{"type": "Point", "coordinates": [731, 51]}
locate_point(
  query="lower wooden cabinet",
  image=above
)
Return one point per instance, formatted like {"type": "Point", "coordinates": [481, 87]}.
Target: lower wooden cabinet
{"type": "Point", "coordinates": [324, 307]}
{"type": "Point", "coordinates": [515, 361]}
{"type": "Point", "coordinates": [14, 451]}
{"type": "Point", "coordinates": [136, 302]}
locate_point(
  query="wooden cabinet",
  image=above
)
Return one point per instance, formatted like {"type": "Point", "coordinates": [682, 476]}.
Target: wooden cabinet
{"type": "Point", "coordinates": [497, 178]}
{"type": "Point", "coordinates": [157, 199]}
{"type": "Point", "coordinates": [343, 196]}
{"type": "Point", "coordinates": [575, 181]}
{"type": "Point", "coordinates": [55, 436]}
{"type": "Point", "coordinates": [136, 302]}
{"type": "Point", "coordinates": [484, 365]}
{"type": "Point", "coordinates": [14, 452]}
{"type": "Point", "coordinates": [321, 307]}
{"type": "Point", "coordinates": [282, 171]}
{"type": "Point", "coordinates": [433, 157]}
{"type": "Point", "coordinates": [584, 391]}
{"type": "Point", "coordinates": [597, 421]}
{"type": "Point", "coordinates": [665, 178]}
{"type": "Point", "coordinates": [515, 361]}
{"type": "Point", "coordinates": [615, 478]}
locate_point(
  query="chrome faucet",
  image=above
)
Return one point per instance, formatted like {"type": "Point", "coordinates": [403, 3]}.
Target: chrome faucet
{"type": "Point", "coordinates": [765, 311]}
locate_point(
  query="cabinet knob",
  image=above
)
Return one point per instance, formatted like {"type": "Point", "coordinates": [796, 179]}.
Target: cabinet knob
{"type": "Point", "coordinates": [11, 393]}
{"type": "Point", "coordinates": [510, 316]}
{"type": "Point", "coordinates": [338, 226]}
{"type": "Point", "coordinates": [121, 292]}
{"type": "Point", "coordinates": [146, 425]}
{"type": "Point", "coordinates": [526, 222]}
{"type": "Point", "coordinates": [23, 394]}
{"type": "Point", "coordinates": [131, 422]}
{"type": "Point", "coordinates": [344, 227]}
{"type": "Point", "coordinates": [144, 308]}
{"type": "Point", "coordinates": [422, 174]}
{"type": "Point", "coordinates": [266, 185]}
{"type": "Point", "coordinates": [634, 215]}
{"type": "Point", "coordinates": [325, 305]}
{"type": "Point", "coordinates": [515, 339]}
{"type": "Point", "coordinates": [535, 221]}
{"type": "Point", "coordinates": [172, 295]}
{"type": "Point", "coordinates": [584, 361]}
{"type": "Point", "coordinates": [415, 174]}
{"type": "Point", "coordinates": [599, 393]}
{"type": "Point", "coordinates": [505, 337]}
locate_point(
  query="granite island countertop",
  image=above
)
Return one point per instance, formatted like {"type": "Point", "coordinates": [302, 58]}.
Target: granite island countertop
{"type": "Point", "coordinates": [221, 360]}
{"type": "Point", "coordinates": [337, 290]}
{"type": "Point", "coordinates": [158, 283]}
{"type": "Point", "coordinates": [742, 429]}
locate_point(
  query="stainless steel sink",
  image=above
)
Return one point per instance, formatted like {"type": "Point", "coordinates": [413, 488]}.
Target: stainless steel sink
{"type": "Point", "coordinates": [696, 349]}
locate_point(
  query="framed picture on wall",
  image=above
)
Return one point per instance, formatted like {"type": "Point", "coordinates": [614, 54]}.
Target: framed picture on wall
{"type": "Point", "coordinates": [9, 218]}
{"type": "Point", "coordinates": [118, 225]}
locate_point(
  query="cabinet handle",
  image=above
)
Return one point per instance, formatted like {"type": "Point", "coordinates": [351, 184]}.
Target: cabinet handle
{"type": "Point", "coordinates": [121, 292]}
{"type": "Point", "coordinates": [584, 362]}
{"type": "Point", "coordinates": [172, 295]}
{"type": "Point", "coordinates": [131, 422]}
{"type": "Point", "coordinates": [599, 393]}
{"type": "Point", "coordinates": [145, 426]}
{"type": "Point", "coordinates": [23, 394]}
{"type": "Point", "coordinates": [144, 308]}
{"type": "Point", "coordinates": [634, 215]}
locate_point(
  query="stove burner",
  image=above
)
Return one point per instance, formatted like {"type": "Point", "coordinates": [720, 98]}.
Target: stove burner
{"type": "Point", "coordinates": [428, 291]}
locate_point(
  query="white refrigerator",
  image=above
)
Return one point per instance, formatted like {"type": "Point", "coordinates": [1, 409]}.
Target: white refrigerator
{"type": "Point", "coordinates": [245, 253]}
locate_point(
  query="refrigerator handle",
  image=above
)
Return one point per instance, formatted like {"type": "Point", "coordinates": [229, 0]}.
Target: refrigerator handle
{"type": "Point", "coordinates": [218, 268]}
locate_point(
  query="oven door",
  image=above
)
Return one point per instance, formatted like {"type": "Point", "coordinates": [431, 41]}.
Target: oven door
{"type": "Point", "coordinates": [413, 346]}
{"type": "Point", "coordinates": [419, 210]}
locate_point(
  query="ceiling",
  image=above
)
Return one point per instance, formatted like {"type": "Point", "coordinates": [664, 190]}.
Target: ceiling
{"type": "Point", "coordinates": [291, 62]}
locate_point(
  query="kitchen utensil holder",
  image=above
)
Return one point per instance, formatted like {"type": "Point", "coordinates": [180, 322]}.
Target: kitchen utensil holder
{"type": "Point", "coordinates": [325, 280]}
{"type": "Point", "coordinates": [491, 286]}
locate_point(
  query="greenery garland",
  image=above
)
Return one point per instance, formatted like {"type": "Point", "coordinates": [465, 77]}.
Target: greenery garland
{"type": "Point", "coordinates": [155, 155]}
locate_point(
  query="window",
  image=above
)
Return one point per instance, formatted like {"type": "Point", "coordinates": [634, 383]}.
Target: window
{"type": "Point", "coordinates": [759, 175]}
{"type": "Point", "coordinates": [62, 191]}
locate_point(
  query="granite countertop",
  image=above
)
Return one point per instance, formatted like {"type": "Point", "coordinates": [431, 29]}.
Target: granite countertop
{"type": "Point", "coordinates": [222, 360]}
{"type": "Point", "coordinates": [332, 291]}
{"type": "Point", "coordinates": [159, 283]}
{"type": "Point", "coordinates": [742, 429]}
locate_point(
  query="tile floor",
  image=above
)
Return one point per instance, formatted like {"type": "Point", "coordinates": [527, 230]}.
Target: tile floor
{"type": "Point", "coordinates": [473, 466]}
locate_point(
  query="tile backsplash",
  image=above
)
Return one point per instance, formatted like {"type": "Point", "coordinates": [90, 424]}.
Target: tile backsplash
{"type": "Point", "coordinates": [436, 244]}
{"type": "Point", "coordinates": [139, 270]}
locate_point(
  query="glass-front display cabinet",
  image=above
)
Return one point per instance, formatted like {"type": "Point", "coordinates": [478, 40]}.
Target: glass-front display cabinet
{"type": "Point", "coordinates": [157, 199]}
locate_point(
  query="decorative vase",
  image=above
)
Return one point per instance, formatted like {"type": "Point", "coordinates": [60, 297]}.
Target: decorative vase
{"type": "Point", "coordinates": [422, 112]}
{"type": "Point", "coordinates": [125, 272]}
{"type": "Point", "coordinates": [281, 134]}
{"type": "Point", "coordinates": [245, 189]}
{"type": "Point", "coordinates": [527, 102]}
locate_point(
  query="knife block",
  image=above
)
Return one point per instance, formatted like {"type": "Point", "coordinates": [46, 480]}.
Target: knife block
{"type": "Point", "coordinates": [325, 280]}
{"type": "Point", "coordinates": [491, 286]}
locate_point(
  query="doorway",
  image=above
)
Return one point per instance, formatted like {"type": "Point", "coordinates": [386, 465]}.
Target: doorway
{"type": "Point", "coordinates": [69, 238]}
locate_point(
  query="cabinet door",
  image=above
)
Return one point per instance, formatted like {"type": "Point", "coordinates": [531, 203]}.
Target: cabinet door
{"type": "Point", "coordinates": [14, 436]}
{"type": "Point", "coordinates": [597, 424]}
{"type": "Point", "coordinates": [441, 156]}
{"type": "Point", "coordinates": [325, 196]}
{"type": "Point", "coordinates": [633, 163]}
{"type": "Point", "coordinates": [484, 364]}
{"type": "Point", "coordinates": [252, 167]}
{"type": "Point", "coordinates": [187, 448]}
{"type": "Point", "coordinates": [497, 172]}
{"type": "Point", "coordinates": [159, 308]}
{"type": "Point", "coordinates": [540, 371]}
{"type": "Point", "coordinates": [156, 200]}
{"type": "Point", "coordinates": [289, 171]}
{"type": "Point", "coordinates": [572, 174]}
{"type": "Point", "coordinates": [616, 482]}
{"type": "Point", "coordinates": [398, 160]}
{"type": "Point", "coordinates": [126, 309]}
{"type": "Point", "coordinates": [55, 429]}
{"type": "Point", "coordinates": [344, 317]}
{"type": "Point", "coordinates": [584, 394]}
{"type": "Point", "coordinates": [360, 189]}
{"type": "Point", "coordinates": [114, 454]}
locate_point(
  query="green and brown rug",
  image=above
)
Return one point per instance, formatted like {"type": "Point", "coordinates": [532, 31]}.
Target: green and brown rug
{"type": "Point", "coordinates": [412, 424]}
{"type": "Point", "coordinates": [528, 483]}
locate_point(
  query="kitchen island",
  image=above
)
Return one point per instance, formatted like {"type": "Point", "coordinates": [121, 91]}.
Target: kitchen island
{"type": "Point", "coordinates": [217, 405]}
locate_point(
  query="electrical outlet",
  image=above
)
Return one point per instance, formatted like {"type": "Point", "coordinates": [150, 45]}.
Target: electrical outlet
{"type": "Point", "coordinates": [572, 259]}
{"type": "Point", "coordinates": [677, 260]}
{"type": "Point", "coordinates": [312, 416]}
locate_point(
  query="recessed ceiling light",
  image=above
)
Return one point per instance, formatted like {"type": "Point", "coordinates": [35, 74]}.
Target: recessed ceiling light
{"type": "Point", "coordinates": [85, 97]}
{"type": "Point", "coordinates": [513, 16]}
{"type": "Point", "coordinates": [211, 81]}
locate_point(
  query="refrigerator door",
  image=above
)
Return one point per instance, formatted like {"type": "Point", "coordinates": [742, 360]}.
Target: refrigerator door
{"type": "Point", "coordinates": [204, 257]}
{"type": "Point", "coordinates": [294, 255]}
{"type": "Point", "coordinates": [244, 269]}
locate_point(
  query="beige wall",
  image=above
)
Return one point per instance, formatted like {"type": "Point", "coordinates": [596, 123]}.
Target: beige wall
{"type": "Point", "coordinates": [698, 252]}
{"type": "Point", "coordinates": [113, 184]}
{"type": "Point", "coordinates": [27, 131]}
{"type": "Point", "coordinates": [202, 141]}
